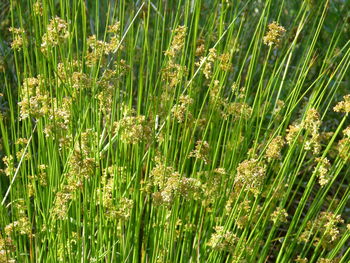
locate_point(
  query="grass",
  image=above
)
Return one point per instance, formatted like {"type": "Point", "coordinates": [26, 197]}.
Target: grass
{"type": "Point", "coordinates": [190, 131]}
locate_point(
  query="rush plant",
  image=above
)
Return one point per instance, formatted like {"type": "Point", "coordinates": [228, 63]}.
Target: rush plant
{"type": "Point", "coordinates": [174, 131]}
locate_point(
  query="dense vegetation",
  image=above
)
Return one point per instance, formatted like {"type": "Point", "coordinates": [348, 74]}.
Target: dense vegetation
{"type": "Point", "coordinates": [174, 131]}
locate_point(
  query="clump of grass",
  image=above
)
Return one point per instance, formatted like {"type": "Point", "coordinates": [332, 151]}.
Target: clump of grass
{"type": "Point", "coordinates": [174, 131]}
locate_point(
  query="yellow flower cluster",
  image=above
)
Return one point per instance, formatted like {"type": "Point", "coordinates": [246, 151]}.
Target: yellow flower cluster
{"type": "Point", "coordinates": [35, 100]}
{"type": "Point", "coordinates": [251, 174]}
{"type": "Point", "coordinates": [343, 106]}
{"type": "Point", "coordinates": [279, 215]}
{"type": "Point", "coordinates": [6, 247]}
{"type": "Point", "coordinates": [178, 41]}
{"type": "Point", "coordinates": [311, 126]}
{"type": "Point", "coordinates": [181, 110]}
{"type": "Point", "coordinates": [274, 35]}
{"type": "Point", "coordinates": [201, 151]}
{"type": "Point", "coordinates": [324, 230]}
{"type": "Point", "coordinates": [173, 72]}
{"type": "Point", "coordinates": [56, 32]}
{"type": "Point", "coordinates": [22, 226]}
{"type": "Point", "coordinates": [19, 39]}
{"type": "Point", "coordinates": [38, 8]}
{"type": "Point", "coordinates": [322, 171]}
{"type": "Point", "coordinates": [223, 240]}
{"type": "Point", "coordinates": [98, 48]}
{"type": "Point", "coordinates": [211, 186]}
{"type": "Point", "coordinates": [9, 165]}
{"type": "Point", "coordinates": [274, 148]}
{"type": "Point", "coordinates": [114, 207]}
{"type": "Point", "coordinates": [238, 110]}
{"type": "Point", "coordinates": [60, 118]}
{"type": "Point", "coordinates": [208, 63]}
{"type": "Point", "coordinates": [174, 186]}
{"type": "Point", "coordinates": [40, 177]}
{"type": "Point", "coordinates": [171, 185]}
{"type": "Point", "coordinates": [133, 128]}
{"type": "Point", "coordinates": [81, 166]}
